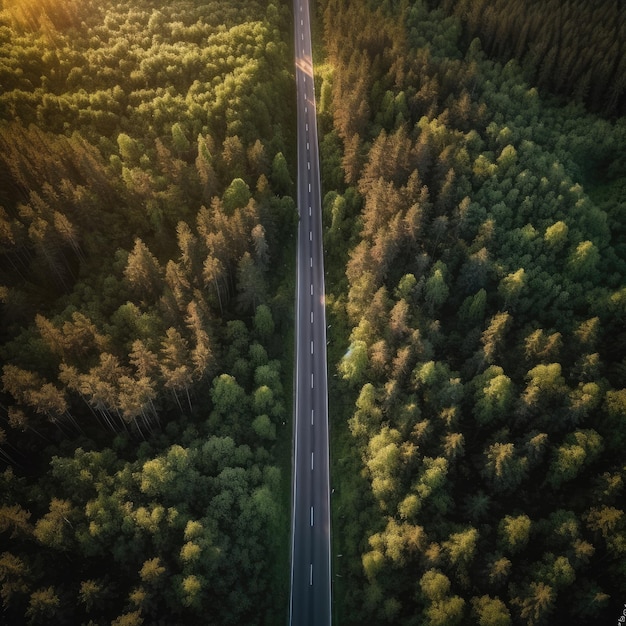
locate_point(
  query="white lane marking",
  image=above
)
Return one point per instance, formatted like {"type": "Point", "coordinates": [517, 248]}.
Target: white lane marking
{"type": "Point", "coordinates": [307, 127]}
{"type": "Point", "coordinates": [311, 317]}
{"type": "Point", "coordinates": [311, 576]}
{"type": "Point", "coordinates": [306, 109]}
{"type": "Point", "coordinates": [312, 413]}
{"type": "Point", "coordinates": [304, 81]}
{"type": "Point", "coordinates": [302, 36]}
{"type": "Point", "coordinates": [312, 387]}
{"type": "Point", "coordinates": [309, 183]}
{"type": "Point", "coordinates": [311, 288]}
{"type": "Point", "coordinates": [311, 516]}
{"type": "Point", "coordinates": [311, 346]}
{"type": "Point", "coordinates": [309, 211]}
{"type": "Point", "coordinates": [311, 263]}
{"type": "Point", "coordinates": [308, 147]}
{"type": "Point", "coordinates": [310, 235]}
{"type": "Point", "coordinates": [311, 470]}
{"type": "Point", "coordinates": [301, 22]}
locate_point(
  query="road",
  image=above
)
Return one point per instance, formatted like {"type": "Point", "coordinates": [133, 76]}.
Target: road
{"type": "Point", "coordinates": [310, 597]}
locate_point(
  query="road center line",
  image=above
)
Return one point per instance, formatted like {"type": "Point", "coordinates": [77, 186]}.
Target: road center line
{"type": "Point", "coordinates": [303, 544]}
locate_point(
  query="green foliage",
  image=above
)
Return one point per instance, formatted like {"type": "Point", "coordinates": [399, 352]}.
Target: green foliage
{"type": "Point", "coordinates": [579, 449]}
{"type": "Point", "coordinates": [491, 611]}
{"type": "Point", "coordinates": [281, 180]}
{"type": "Point", "coordinates": [263, 322]}
{"type": "Point", "coordinates": [139, 215]}
{"type": "Point", "coordinates": [354, 362]}
{"type": "Point", "coordinates": [236, 196]}
{"type": "Point", "coordinates": [547, 39]}
{"type": "Point", "coordinates": [43, 605]}
{"type": "Point", "coordinates": [514, 532]}
{"type": "Point", "coordinates": [476, 297]}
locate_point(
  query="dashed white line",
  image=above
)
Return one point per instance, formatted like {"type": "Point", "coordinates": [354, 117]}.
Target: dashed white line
{"type": "Point", "coordinates": [308, 147]}
{"type": "Point", "coordinates": [311, 317]}
{"type": "Point", "coordinates": [306, 109]}
{"type": "Point", "coordinates": [311, 576]}
{"type": "Point", "coordinates": [311, 346]}
{"type": "Point", "coordinates": [310, 211]}
{"type": "Point", "coordinates": [311, 470]}
{"type": "Point", "coordinates": [311, 288]}
{"type": "Point", "coordinates": [312, 386]}
{"type": "Point", "coordinates": [309, 183]}
{"type": "Point", "coordinates": [312, 414]}
{"type": "Point", "coordinates": [302, 36]}
{"type": "Point", "coordinates": [310, 235]}
{"type": "Point", "coordinates": [308, 163]}
{"type": "Point", "coordinates": [307, 127]}
{"type": "Point", "coordinates": [301, 22]}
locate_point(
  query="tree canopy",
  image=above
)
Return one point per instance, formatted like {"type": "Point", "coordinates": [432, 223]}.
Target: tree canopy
{"type": "Point", "coordinates": [140, 330]}
{"type": "Point", "coordinates": [476, 270]}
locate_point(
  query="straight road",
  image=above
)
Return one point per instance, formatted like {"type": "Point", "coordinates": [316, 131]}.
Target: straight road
{"type": "Point", "coordinates": [310, 598]}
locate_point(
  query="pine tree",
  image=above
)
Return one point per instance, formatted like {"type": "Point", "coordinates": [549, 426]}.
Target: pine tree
{"type": "Point", "coordinates": [143, 272]}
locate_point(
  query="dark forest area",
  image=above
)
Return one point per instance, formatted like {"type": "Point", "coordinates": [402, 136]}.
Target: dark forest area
{"type": "Point", "coordinates": [476, 246]}
{"type": "Point", "coordinates": [145, 193]}
{"type": "Point", "coordinates": [573, 48]}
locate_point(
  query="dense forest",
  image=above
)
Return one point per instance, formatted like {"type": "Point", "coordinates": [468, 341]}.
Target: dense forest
{"type": "Point", "coordinates": [476, 255]}
{"type": "Point", "coordinates": [144, 194]}
{"type": "Point", "coordinates": [574, 48]}
{"type": "Point", "coordinates": [476, 247]}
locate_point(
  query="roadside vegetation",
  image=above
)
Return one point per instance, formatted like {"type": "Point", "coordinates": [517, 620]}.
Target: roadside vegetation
{"type": "Point", "coordinates": [145, 376]}
{"type": "Point", "coordinates": [475, 244]}
{"type": "Point", "coordinates": [473, 161]}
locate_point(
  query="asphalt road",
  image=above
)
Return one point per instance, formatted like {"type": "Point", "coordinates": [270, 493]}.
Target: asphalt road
{"type": "Point", "coordinates": [310, 598]}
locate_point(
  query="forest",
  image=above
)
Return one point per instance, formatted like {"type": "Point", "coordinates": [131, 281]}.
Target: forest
{"type": "Point", "coordinates": [574, 48]}
{"type": "Point", "coordinates": [474, 166]}
{"type": "Point", "coordinates": [145, 192]}
{"type": "Point", "coordinates": [475, 241]}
